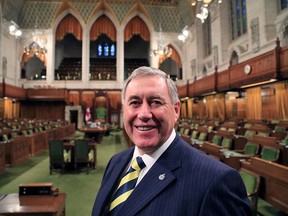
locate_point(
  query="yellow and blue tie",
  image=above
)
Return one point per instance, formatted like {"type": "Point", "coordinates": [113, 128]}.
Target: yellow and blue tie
{"type": "Point", "coordinates": [127, 185]}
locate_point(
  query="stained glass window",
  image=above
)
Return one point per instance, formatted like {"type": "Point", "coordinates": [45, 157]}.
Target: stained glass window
{"type": "Point", "coordinates": [238, 16]}
{"type": "Point", "coordinates": [106, 50]}
{"type": "Point", "coordinates": [283, 4]}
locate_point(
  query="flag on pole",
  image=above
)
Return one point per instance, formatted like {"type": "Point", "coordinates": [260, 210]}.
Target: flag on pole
{"type": "Point", "coordinates": [88, 114]}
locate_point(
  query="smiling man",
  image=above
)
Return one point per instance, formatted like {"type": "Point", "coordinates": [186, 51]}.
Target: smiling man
{"type": "Point", "coordinates": [169, 177]}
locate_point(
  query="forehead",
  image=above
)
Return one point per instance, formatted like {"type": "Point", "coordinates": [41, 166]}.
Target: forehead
{"type": "Point", "coordinates": [147, 86]}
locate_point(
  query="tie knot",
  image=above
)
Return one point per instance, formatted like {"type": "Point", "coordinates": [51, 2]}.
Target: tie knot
{"type": "Point", "coordinates": [138, 164]}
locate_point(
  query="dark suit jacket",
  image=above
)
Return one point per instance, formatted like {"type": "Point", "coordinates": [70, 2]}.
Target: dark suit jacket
{"type": "Point", "coordinates": [194, 184]}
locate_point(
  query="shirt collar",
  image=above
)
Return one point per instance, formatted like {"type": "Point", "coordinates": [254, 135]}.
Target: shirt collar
{"type": "Point", "coordinates": [149, 160]}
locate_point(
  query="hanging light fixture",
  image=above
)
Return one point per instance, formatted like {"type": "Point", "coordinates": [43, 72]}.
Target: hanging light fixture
{"type": "Point", "coordinates": [14, 29]}
{"type": "Point", "coordinates": [204, 12]}
{"type": "Point", "coordinates": [37, 46]}
{"type": "Point", "coordinates": [184, 34]}
{"type": "Point", "coordinates": [161, 51]}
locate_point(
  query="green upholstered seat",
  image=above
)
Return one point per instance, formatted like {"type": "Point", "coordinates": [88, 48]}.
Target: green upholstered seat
{"type": "Point", "coordinates": [181, 130]}
{"type": "Point", "coordinates": [216, 139]}
{"type": "Point", "coordinates": [249, 134]}
{"type": "Point", "coordinates": [251, 149]}
{"type": "Point", "coordinates": [226, 142]}
{"type": "Point", "coordinates": [14, 134]}
{"type": "Point", "coordinates": [202, 136]}
{"type": "Point", "coordinates": [56, 156]}
{"type": "Point", "coordinates": [81, 154]}
{"type": "Point", "coordinates": [186, 131]}
{"type": "Point", "coordinates": [247, 125]}
{"type": "Point", "coordinates": [5, 137]}
{"type": "Point", "coordinates": [262, 134]}
{"type": "Point", "coordinates": [210, 129]}
{"type": "Point", "coordinates": [251, 182]}
{"type": "Point", "coordinates": [194, 134]}
{"type": "Point", "coordinates": [280, 129]}
{"type": "Point", "coordinates": [270, 154]}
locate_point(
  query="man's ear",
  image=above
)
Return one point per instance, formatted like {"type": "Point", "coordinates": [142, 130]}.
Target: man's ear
{"type": "Point", "coordinates": [177, 108]}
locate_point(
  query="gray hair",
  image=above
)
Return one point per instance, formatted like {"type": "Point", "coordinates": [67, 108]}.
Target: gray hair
{"type": "Point", "coordinates": [150, 71]}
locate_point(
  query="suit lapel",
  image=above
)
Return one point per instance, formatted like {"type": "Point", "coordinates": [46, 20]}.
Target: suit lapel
{"type": "Point", "coordinates": [112, 180]}
{"type": "Point", "coordinates": [159, 177]}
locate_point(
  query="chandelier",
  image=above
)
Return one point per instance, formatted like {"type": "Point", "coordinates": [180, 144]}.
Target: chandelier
{"type": "Point", "coordinates": [37, 46]}
{"type": "Point", "coordinates": [162, 51]}
{"type": "Point", "coordinates": [203, 13]}
{"type": "Point", "coordinates": [14, 29]}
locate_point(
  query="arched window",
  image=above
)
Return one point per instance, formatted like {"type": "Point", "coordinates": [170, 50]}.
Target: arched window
{"type": "Point", "coordinates": [238, 18]}
{"type": "Point", "coordinates": [234, 58]}
{"type": "Point", "coordinates": [68, 49]}
{"type": "Point", "coordinates": [207, 36]}
{"type": "Point", "coordinates": [283, 4]}
{"type": "Point", "coordinates": [103, 50]}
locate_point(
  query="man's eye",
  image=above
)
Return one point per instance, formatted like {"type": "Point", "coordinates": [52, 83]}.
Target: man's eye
{"type": "Point", "coordinates": [134, 102]}
{"type": "Point", "coordinates": [156, 102]}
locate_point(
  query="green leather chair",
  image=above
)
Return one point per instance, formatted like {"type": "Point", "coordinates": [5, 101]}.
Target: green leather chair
{"type": "Point", "coordinates": [56, 156]}
{"type": "Point", "coordinates": [226, 143]}
{"type": "Point", "coordinates": [251, 182]}
{"type": "Point", "coordinates": [251, 149]}
{"type": "Point", "coordinates": [81, 155]}
{"type": "Point", "coordinates": [270, 154]}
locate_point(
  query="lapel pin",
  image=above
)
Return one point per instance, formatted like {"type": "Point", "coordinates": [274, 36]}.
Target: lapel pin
{"type": "Point", "coordinates": [162, 177]}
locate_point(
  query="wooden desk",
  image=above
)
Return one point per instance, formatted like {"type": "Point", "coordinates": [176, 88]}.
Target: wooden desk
{"type": "Point", "coordinates": [232, 158]}
{"type": "Point", "coordinates": [91, 146]}
{"type": "Point", "coordinates": [211, 149]}
{"type": "Point", "coordinates": [95, 133]}
{"type": "Point", "coordinates": [274, 181]}
{"type": "Point", "coordinates": [42, 205]}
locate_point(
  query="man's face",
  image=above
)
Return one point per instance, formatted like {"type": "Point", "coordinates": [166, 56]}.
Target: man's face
{"type": "Point", "coordinates": [149, 115]}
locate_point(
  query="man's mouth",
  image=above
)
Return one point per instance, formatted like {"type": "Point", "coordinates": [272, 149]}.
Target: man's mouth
{"type": "Point", "coordinates": [144, 128]}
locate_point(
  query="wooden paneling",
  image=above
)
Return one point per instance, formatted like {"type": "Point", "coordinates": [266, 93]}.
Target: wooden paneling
{"type": "Point", "coordinates": [47, 94]}
{"type": "Point", "coordinates": [38, 143]}
{"type": "Point", "coordinates": [51, 110]}
{"type": "Point", "coordinates": [263, 68]}
{"type": "Point", "coordinates": [205, 85]}
{"type": "Point", "coordinates": [74, 98]}
{"type": "Point", "coordinates": [223, 81]}
{"type": "Point", "coordinates": [284, 62]}
{"type": "Point", "coordinates": [15, 92]}
{"type": "Point", "coordinates": [182, 91]}
{"type": "Point", "coordinates": [17, 150]}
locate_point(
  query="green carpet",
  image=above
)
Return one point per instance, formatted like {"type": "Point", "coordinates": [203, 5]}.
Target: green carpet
{"type": "Point", "coordinates": [81, 189]}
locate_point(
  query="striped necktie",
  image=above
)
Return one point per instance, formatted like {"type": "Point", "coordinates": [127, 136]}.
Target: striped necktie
{"type": "Point", "coordinates": [127, 184]}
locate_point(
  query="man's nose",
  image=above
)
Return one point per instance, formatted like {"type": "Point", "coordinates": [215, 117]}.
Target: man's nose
{"type": "Point", "coordinates": [144, 113]}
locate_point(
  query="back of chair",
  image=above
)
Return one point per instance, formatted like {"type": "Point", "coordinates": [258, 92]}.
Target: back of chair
{"type": "Point", "coordinates": [270, 154]}
{"type": "Point", "coordinates": [202, 136]}
{"type": "Point", "coordinates": [226, 142]}
{"type": "Point", "coordinates": [56, 151]}
{"type": "Point", "coordinates": [251, 149]}
{"type": "Point", "coordinates": [216, 139]}
{"type": "Point", "coordinates": [251, 182]}
{"type": "Point", "coordinates": [194, 134]}
{"type": "Point", "coordinates": [81, 151]}
{"type": "Point", "coordinates": [249, 134]}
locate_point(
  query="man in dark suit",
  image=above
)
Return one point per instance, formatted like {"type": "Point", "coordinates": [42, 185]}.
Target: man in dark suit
{"type": "Point", "coordinates": [177, 179]}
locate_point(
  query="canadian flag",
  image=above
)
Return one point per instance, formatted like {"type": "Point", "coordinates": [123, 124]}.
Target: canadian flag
{"type": "Point", "coordinates": [87, 114]}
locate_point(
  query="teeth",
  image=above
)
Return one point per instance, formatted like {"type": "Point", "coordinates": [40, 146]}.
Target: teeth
{"type": "Point", "coordinates": [144, 128]}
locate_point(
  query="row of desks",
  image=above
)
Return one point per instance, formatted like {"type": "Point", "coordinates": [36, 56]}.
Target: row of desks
{"type": "Point", "coordinates": [273, 176]}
